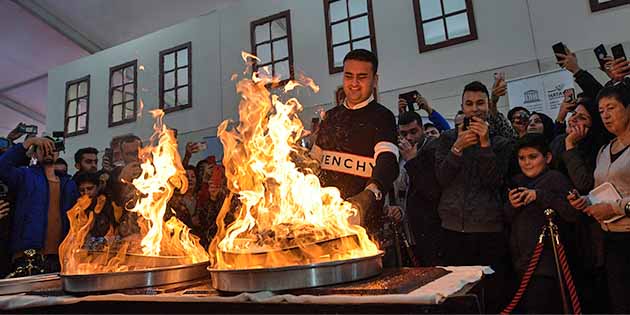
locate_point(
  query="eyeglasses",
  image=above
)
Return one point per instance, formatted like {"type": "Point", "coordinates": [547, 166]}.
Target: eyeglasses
{"type": "Point", "coordinates": [521, 117]}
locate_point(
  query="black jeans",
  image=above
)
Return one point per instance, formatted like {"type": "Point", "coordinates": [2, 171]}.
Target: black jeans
{"type": "Point", "coordinates": [618, 271]}
{"type": "Point", "coordinates": [485, 249]}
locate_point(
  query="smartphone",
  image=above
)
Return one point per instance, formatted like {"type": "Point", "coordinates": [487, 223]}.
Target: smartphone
{"type": "Point", "coordinates": [466, 123]}
{"type": "Point", "coordinates": [618, 52]}
{"type": "Point", "coordinates": [410, 97]}
{"type": "Point", "coordinates": [559, 48]}
{"type": "Point", "coordinates": [569, 95]}
{"type": "Point", "coordinates": [601, 54]}
{"type": "Point", "coordinates": [27, 129]}
{"type": "Point", "coordinates": [202, 146]}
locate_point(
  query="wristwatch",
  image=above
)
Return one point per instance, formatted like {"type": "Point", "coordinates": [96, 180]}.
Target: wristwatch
{"type": "Point", "coordinates": [377, 193]}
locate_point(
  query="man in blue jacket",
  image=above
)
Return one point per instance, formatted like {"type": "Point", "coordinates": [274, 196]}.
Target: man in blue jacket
{"type": "Point", "coordinates": [42, 198]}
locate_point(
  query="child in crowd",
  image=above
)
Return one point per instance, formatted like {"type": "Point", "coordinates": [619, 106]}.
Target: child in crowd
{"type": "Point", "coordinates": [536, 189]}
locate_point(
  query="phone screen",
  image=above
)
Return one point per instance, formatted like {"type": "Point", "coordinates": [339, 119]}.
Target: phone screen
{"type": "Point", "coordinates": [559, 48]}
{"type": "Point", "coordinates": [618, 51]}
{"type": "Point", "coordinates": [569, 95]}
{"type": "Point", "coordinates": [601, 54]}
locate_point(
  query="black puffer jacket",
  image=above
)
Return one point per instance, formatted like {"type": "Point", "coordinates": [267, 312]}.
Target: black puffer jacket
{"type": "Point", "coordinates": [473, 184]}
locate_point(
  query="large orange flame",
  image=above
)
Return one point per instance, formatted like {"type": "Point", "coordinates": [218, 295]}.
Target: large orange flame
{"type": "Point", "coordinates": [282, 216]}
{"type": "Point", "coordinates": [161, 242]}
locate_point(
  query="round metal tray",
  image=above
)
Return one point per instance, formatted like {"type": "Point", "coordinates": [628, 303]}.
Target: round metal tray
{"type": "Point", "coordinates": [152, 277]}
{"type": "Point", "coordinates": [296, 277]}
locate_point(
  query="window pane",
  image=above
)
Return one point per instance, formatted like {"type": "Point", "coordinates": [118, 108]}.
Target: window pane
{"type": "Point", "coordinates": [72, 124]}
{"type": "Point", "coordinates": [72, 108]}
{"type": "Point", "coordinates": [182, 77]}
{"type": "Point", "coordinates": [182, 58]}
{"type": "Point", "coordinates": [357, 7]}
{"type": "Point", "coordinates": [454, 5]}
{"type": "Point", "coordinates": [338, 10]}
{"type": "Point", "coordinates": [360, 27]}
{"type": "Point", "coordinates": [279, 28]}
{"type": "Point", "coordinates": [117, 78]}
{"type": "Point", "coordinates": [169, 62]}
{"type": "Point", "coordinates": [364, 44]}
{"type": "Point", "coordinates": [262, 33]}
{"type": "Point", "coordinates": [129, 92]}
{"type": "Point", "coordinates": [117, 96]}
{"type": "Point", "coordinates": [264, 53]}
{"type": "Point", "coordinates": [282, 70]}
{"type": "Point", "coordinates": [82, 106]}
{"type": "Point", "coordinates": [457, 25]}
{"type": "Point", "coordinates": [83, 89]}
{"type": "Point", "coordinates": [117, 113]}
{"type": "Point", "coordinates": [129, 74]}
{"type": "Point", "coordinates": [339, 53]}
{"type": "Point", "coordinates": [129, 110]}
{"type": "Point", "coordinates": [182, 96]}
{"type": "Point", "coordinates": [434, 32]}
{"type": "Point", "coordinates": [169, 99]}
{"type": "Point", "coordinates": [280, 49]}
{"type": "Point", "coordinates": [72, 91]}
{"type": "Point", "coordinates": [430, 9]}
{"type": "Point", "coordinates": [169, 80]}
{"type": "Point", "coordinates": [82, 122]}
{"type": "Point", "coordinates": [340, 33]}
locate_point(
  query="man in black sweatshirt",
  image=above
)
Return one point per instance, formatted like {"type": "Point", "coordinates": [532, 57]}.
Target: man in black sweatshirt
{"type": "Point", "coordinates": [356, 144]}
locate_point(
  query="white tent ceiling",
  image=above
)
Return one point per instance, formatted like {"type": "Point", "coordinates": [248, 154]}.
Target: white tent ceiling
{"type": "Point", "coordinates": [38, 35]}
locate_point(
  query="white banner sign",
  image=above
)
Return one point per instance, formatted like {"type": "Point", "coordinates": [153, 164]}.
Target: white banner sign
{"type": "Point", "coordinates": [541, 92]}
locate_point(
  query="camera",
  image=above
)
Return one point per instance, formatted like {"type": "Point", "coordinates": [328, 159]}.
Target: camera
{"type": "Point", "coordinates": [58, 138]}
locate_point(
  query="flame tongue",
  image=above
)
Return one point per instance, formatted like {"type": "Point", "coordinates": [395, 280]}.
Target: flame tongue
{"type": "Point", "coordinates": [283, 215]}
{"type": "Point", "coordinates": [158, 242]}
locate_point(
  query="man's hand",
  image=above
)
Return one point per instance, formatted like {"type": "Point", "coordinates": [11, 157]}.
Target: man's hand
{"type": "Point", "coordinates": [600, 211]}
{"type": "Point", "coordinates": [130, 172]}
{"type": "Point", "coordinates": [363, 202]}
{"type": "Point", "coordinates": [402, 106]}
{"type": "Point", "coordinates": [395, 212]}
{"type": "Point", "coordinates": [45, 144]}
{"type": "Point", "coordinates": [568, 61]}
{"type": "Point", "coordinates": [423, 103]}
{"type": "Point", "coordinates": [15, 134]}
{"type": "Point", "coordinates": [5, 206]}
{"type": "Point", "coordinates": [407, 151]}
{"type": "Point", "coordinates": [575, 134]}
{"type": "Point", "coordinates": [480, 128]}
{"type": "Point", "coordinates": [619, 69]}
{"type": "Point", "coordinates": [465, 139]}
{"type": "Point", "coordinates": [499, 88]}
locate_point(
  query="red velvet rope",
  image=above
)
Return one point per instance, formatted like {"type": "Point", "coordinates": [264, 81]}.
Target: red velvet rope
{"type": "Point", "coordinates": [533, 262]}
{"type": "Point", "coordinates": [575, 301]}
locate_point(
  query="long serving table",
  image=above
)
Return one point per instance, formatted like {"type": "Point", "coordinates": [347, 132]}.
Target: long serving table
{"type": "Point", "coordinates": [407, 290]}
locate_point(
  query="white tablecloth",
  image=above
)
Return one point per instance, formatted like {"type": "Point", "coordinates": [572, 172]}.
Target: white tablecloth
{"type": "Point", "coordinates": [434, 292]}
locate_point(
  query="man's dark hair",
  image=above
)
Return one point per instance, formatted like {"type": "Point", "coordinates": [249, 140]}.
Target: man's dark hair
{"type": "Point", "coordinates": [78, 156]}
{"type": "Point", "coordinates": [190, 168]}
{"type": "Point", "coordinates": [363, 55]}
{"type": "Point", "coordinates": [429, 125]}
{"type": "Point", "coordinates": [83, 177]}
{"type": "Point", "coordinates": [476, 86]}
{"type": "Point", "coordinates": [460, 112]}
{"type": "Point", "coordinates": [533, 140]}
{"type": "Point", "coordinates": [516, 109]}
{"type": "Point", "coordinates": [620, 92]}
{"type": "Point", "coordinates": [130, 138]}
{"type": "Point", "coordinates": [61, 161]}
{"type": "Point", "coordinates": [408, 117]}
